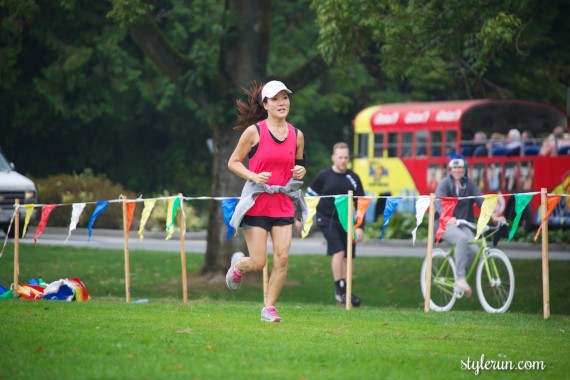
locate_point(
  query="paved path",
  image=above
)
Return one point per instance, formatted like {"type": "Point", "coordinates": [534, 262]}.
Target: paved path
{"type": "Point", "coordinates": [195, 242]}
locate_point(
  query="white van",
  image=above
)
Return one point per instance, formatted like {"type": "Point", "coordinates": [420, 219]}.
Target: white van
{"type": "Point", "coordinates": [13, 186]}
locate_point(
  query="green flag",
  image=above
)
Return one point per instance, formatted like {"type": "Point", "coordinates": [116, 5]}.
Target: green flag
{"type": "Point", "coordinates": [521, 201]}
{"type": "Point", "coordinates": [341, 204]}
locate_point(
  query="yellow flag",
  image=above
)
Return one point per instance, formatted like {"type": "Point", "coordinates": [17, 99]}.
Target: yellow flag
{"type": "Point", "coordinates": [169, 219]}
{"type": "Point", "coordinates": [312, 210]}
{"type": "Point", "coordinates": [148, 206]}
{"type": "Point", "coordinates": [487, 209]}
{"type": "Point", "coordinates": [29, 211]}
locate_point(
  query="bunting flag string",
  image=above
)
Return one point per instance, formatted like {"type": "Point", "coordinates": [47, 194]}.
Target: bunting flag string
{"type": "Point", "coordinates": [312, 203]}
{"type": "Point", "coordinates": [521, 201]}
{"type": "Point", "coordinates": [391, 206]}
{"type": "Point", "coordinates": [447, 205]}
{"type": "Point", "coordinates": [551, 202]}
{"type": "Point", "coordinates": [487, 209]}
{"type": "Point", "coordinates": [490, 204]}
{"type": "Point", "coordinates": [422, 204]}
{"type": "Point", "coordinates": [8, 232]}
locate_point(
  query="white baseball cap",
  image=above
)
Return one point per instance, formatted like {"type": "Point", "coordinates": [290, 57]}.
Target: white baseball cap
{"type": "Point", "coordinates": [457, 163]}
{"type": "Point", "coordinates": [272, 88]}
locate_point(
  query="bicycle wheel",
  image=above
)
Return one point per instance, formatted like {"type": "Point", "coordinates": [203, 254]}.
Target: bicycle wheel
{"type": "Point", "coordinates": [442, 295]}
{"type": "Point", "coordinates": [495, 282]}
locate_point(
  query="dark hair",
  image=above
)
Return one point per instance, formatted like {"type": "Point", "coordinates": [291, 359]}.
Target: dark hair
{"type": "Point", "coordinates": [251, 110]}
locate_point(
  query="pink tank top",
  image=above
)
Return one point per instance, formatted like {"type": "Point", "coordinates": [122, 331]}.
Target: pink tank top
{"type": "Point", "coordinates": [277, 158]}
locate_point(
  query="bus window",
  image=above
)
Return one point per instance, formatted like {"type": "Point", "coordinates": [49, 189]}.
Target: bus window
{"type": "Point", "coordinates": [434, 175]}
{"type": "Point", "coordinates": [511, 176]}
{"type": "Point", "coordinates": [421, 143]}
{"type": "Point", "coordinates": [527, 176]}
{"type": "Point", "coordinates": [407, 144]}
{"type": "Point", "coordinates": [378, 144]}
{"type": "Point", "coordinates": [362, 145]}
{"type": "Point", "coordinates": [478, 175]}
{"type": "Point", "coordinates": [450, 142]}
{"type": "Point", "coordinates": [436, 144]}
{"type": "Point", "coordinates": [494, 176]}
{"type": "Point", "coordinates": [392, 145]}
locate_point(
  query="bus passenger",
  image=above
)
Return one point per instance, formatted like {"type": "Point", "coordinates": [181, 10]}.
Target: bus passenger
{"type": "Point", "coordinates": [554, 142]}
{"type": "Point", "coordinates": [496, 144]}
{"type": "Point", "coordinates": [337, 180]}
{"type": "Point", "coordinates": [457, 184]}
{"type": "Point", "coordinates": [480, 144]}
{"type": "Point", "coordinates": [513, 144]}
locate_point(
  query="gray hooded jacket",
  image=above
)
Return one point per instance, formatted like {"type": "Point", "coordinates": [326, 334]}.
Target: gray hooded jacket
{"type": "Point", "coordinates": [251, 190]}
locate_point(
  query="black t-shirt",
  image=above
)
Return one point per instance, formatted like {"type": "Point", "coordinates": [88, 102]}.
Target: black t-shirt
{"type": "Point", "coordinates": [328, 182]}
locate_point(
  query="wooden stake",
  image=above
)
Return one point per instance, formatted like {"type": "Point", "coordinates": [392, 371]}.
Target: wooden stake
{"type": "Point", "coordinates": [183, 249]}
{"type": "Point", "coordinates": [429, 252]}
{"type": "Point", "coordinates": [126, 251]}
{"type": "Point", "coordinates": [349, 240]}
{"type": "Point", "coordinates": [545, 280]}
{"type": "Point", "coordinates": [15, 293]}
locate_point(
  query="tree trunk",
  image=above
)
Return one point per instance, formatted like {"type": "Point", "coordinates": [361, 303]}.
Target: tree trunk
{"type": "Point", "coordinates": [243, 58]}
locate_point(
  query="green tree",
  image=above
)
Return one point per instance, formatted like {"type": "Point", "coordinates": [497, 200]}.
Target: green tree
{"type": "Point", "coordinates": [454, 49]}
{"type": "Point", "coordinates": [227, 47]}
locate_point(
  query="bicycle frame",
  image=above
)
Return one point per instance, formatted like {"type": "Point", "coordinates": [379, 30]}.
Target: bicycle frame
{"type": "Point", "coordinates": [481, 253]}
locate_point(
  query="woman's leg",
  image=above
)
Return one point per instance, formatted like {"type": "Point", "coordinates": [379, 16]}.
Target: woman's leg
{"type": "Point", "coordinates": [256, 239]}
{"type": "Point", "coordinates": [281, 237]}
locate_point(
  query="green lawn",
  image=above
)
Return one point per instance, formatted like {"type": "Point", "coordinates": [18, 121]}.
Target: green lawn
{"type": "Point", "coordinates": [218, 334]}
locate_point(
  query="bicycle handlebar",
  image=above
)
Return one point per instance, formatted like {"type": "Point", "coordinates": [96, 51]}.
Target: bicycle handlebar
{"type": "Point", "coordinates": [473, 226]}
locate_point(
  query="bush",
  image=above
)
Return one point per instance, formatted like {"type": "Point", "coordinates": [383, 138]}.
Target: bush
{"type": "Point", "coordinates": [400, 226]}
{"type": "Point", "coordinates": [66, 189]}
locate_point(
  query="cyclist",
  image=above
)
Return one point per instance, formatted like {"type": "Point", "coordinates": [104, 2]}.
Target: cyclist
{"type": "Point", "coordinates": [457, 184]}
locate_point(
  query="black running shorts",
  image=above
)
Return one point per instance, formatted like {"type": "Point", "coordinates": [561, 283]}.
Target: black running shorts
{"type": "Point", "coordinates": [265, 222]}
{"type": "Point", "coordinates": [336, 238]}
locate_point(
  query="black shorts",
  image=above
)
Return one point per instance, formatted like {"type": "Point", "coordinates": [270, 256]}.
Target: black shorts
{"type": "Point", "coordinates": [265, 222]}
{"type": "Point", "coordinates": [336, 238]}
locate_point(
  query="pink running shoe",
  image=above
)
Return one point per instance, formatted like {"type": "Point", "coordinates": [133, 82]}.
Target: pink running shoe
{"type": "Point", "coordinates": [234, 275]}
{"type": "Point", "coordinates": [269, 314]}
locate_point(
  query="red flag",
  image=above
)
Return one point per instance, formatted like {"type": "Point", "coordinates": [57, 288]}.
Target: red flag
{"type": "Point", "coordinates": [361, 208]}
{"type": "Point", "coordinates": [551, 202]}
{"type": "Point", "coordinates": [46, 210]}
{"type": "Point", "coordinates": [131, 205]}
{"type": "Point", "coordinates": [447, 206]}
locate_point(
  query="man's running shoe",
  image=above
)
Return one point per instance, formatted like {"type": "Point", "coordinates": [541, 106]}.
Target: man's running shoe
{"type": "Point", "coordinates": [341, 300]}
{"type": "Point", "coordinates": [269, 314]}
{"type": "Point", "coordinates": [234, 275]}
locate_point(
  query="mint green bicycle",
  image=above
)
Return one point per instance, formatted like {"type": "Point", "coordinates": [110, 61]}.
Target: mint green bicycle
{"type": "Point", "coordinates": [495, 279]}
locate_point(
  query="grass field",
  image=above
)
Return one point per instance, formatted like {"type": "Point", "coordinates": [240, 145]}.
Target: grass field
{"type": "Point", "coordinates": [218, 334]}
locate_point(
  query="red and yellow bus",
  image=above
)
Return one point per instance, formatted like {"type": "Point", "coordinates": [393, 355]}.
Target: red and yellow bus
{"type": "Point", "coordinates": [402, 149]}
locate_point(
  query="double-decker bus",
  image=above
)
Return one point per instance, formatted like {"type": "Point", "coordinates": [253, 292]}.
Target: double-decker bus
{"type": "Point", "coordinates": [402, 149]}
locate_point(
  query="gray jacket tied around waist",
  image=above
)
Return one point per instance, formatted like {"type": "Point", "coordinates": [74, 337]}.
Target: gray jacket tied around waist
{"type": "Point", "coordinates": [251, 190]}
